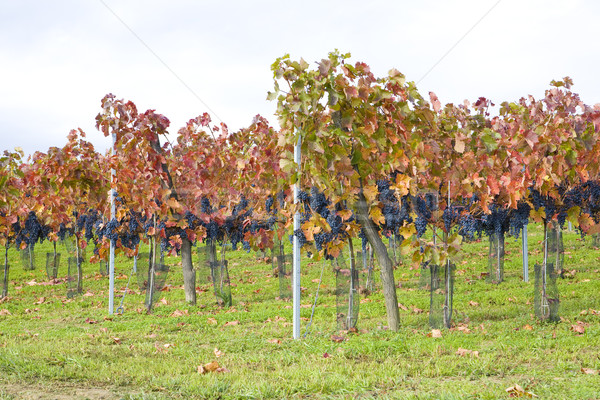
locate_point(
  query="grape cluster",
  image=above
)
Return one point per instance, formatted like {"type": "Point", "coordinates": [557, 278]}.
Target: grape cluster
{"type": "Point", "coordinates": [32, 231]}
{"type": "Point", "coordinates": [519, 218]}
{"type": "Point", "coordinates": [469, 226]}
{"type": "Point", "coordinates": [424, 206]}
{"type": "Point", "coordinates": [269, 202]}
{"type": "Point", "coordinates": [205, 207]}
{"type": "Point", "coordinates": [497, 222]}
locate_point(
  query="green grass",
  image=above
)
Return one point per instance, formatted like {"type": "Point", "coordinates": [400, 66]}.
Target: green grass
{"type": "Point", "coordinates": [48, 349]}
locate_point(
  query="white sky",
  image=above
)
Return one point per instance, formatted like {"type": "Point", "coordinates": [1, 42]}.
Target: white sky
{"type": "Point", "coordinates": [59, 58]}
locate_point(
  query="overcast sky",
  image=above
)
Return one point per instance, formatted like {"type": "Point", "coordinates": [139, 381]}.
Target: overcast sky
{"type": "Point", "coordinates": [59, 58]}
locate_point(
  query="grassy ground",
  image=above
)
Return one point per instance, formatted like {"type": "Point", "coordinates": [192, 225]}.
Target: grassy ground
{"type": "Point", "coordinates": [59, 348]}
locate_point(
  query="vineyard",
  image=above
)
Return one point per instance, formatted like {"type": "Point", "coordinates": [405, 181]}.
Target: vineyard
{"type": "Point", "coordinates": [417, 225]}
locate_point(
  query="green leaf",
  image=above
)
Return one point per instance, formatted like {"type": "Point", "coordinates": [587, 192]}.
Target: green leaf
{"type": "Point", "coordinates": [490, 139]}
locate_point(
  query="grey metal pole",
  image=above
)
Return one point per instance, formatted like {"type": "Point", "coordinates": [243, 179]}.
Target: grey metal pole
{"type": "Point", "coordinates": [111, 270]}
{"type": "Point", "coordinates": [296, 252]}
{"type": "Point", "coordinates": [525, 255]}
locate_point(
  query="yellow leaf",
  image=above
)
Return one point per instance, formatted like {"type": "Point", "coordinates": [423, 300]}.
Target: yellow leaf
{"type": "Point", "coordinates": [539, 215]}
{"type": "Point", "coordinates": [376, 215]}
{"type": "Point", "coordinates": [402, 184]}
{"type": "Point", "coordinates": [370, 193]}
{"type": "Point", "coordinates": [407, 231]}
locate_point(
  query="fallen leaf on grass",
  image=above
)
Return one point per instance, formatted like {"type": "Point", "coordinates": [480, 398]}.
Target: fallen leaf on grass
{"type": "Point", "coordinates": [90, 321]}
{"type": "Point", "coordinates": [417, 310]}
{"type": "Point", "coordinates": [337, 339]}
{"type": "Point", "coordinates": [326, 355]}
{"type": "Point", "coordinates": [462, 328]}
{"type": "Point", "coordinates": [4, 311]}
{"type": "Point", "coordinates": [163, 348]}
{"type": "Point", "coordinates": [211, 321]}
{"type": "Point", "coordinates": [473, 303]}
{"type": "Point", "coordinates": [231, 323]}
{"type": "Point", "coordinates": [402, 307]}
{"type": "Point", "coordinates": [41, 300]}
{"type": "Point", "coordinates": [218, 353]}
{"type": "Point", "coordinates": [179, 313]}
{"type": "Point", "coordinates": [274, 341]}
{"type": "Point", "coordinates": [211, 367]}
{"type": "Point", "coordinates": [589, 371]}
{"type": "Point", "coordinates": [88, 294]}
{"type": "Point", "coordinates": [164, 301]}
{"type": "Point", "coordinates": [465, 352]}
{"type": "Point", "coordinates": [116, 340]}
{"type": "Point", "coordinates": [528, 327]}
{"type": "Point", "coordinates": [518, 391]}
{"type": "Point", "coordinates": [435, 333]}
{"type": "Point", "coordinates": [365, 300]}
{"type": "Point", "coordinates": [579, 328]}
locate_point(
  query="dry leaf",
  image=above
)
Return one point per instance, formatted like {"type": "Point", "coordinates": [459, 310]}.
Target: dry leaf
{"type": "Point", "coordinates": [90, 321]}
{"type": "Point", "coordinates": [88, 294]}
{"type": "Point", "coordinates": [164, 301]}
{"type": "Point", "coordinates": [218, 353]}
{"type": "Point", "coordinates": [4, 311]}
{"type": "Point", "coordinates": [589, 371]}
{"type": "Point", "coordinates": [462, 328]}
{"type": "Point", "coordinates": [159, 348]}
{"type": "Point", "coordinates": [231, 323]}
{"type": "Point", "coordinates": [435, 333]}
{"type": "Point", "coordinates": [117, 340]}
{"type": "Point", "coordinates": [274, 341]}
{"type": "Point", "coordinates": [417, 310]}
{"type": "Point", "coordinates": [578, 329]}
{"type": "Point", "coordinates": [518, 391]}
{"type": "Point", "coordinates": [528, 327]}
{"type": "Point", "coordinates": [326, 355]}
{"type": "Point", "coordinates": [179, 313]}
{"type": "Point", "coordinates": [473, 303]}
{"type": "Point", "coordinates": [337, 339]}
{"type": "Point", "coordinates": [41, 300]}
{"type": "Point", "coordinates": [402, 307]}
{"type": "Point", "coordinates": [210, 367]}
{"type": "Point", "coordinates": [211, 321]}
{"type": "Point", "coordinates": [465, 352]}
